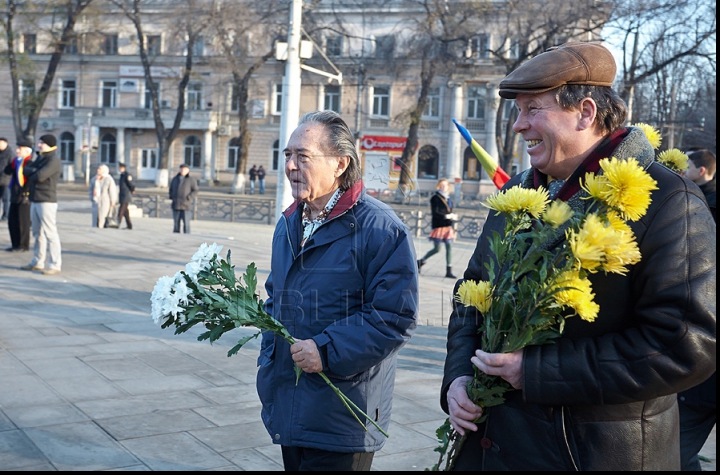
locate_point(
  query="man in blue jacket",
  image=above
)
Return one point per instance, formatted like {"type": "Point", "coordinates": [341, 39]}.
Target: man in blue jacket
{"type": "Point", "coordinates": [344, 282]}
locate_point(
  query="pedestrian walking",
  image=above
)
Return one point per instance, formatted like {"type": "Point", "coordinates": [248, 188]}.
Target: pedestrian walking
{"type": "Point", "coordinates": [43, 174]}
{"type": "Point", "coordinates": [261, 179]}
{"type": "Point", "coordinates": [127, 189]}
{"type": "Point", "coordinates": [253, 176]}
{"type": "Point", "coordinates": [6, 157]}
{"type": "Point", "coordinates": [183, 189]}
{"type": "Point", "coordinates": [19, 213]}
{"type": "Point", "coordinates": [441, 206]}
{"type": "Point", "coordinates": [603, 395]}
{"type": "Point", "coordinates": [347, 263]}
{"type": "Point", "coordinates": [103, 195]}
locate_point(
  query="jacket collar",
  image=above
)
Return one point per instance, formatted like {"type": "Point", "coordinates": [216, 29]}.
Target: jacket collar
{"type": "Point", "coordinates": [346, 201]}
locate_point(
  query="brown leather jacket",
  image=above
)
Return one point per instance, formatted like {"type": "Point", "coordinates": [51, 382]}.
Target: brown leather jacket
{"type": "Point", "coordinates": [603, 396]}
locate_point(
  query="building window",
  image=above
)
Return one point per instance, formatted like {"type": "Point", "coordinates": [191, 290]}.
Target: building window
{"type": "Point", "coordinates": [193, 152]}
{"type": "Point", "coordinates": [194, 96]}
{"type": "Point", "coordinates": [332, 98]}
{"type": "Point", "coordinates": [67, 147]}
{"type": "Point", "coordinates": [72, 46]}
{"type": "Point", "coordinates": [30, 43]}
{"type": "Point", "coordinates": [514, 50]}
{"type": "Point", "coordinates": [153, 45]}
{"type": "Point", "coordinates": [428, 162]}
{"type": "Point", "coordinates": [27, 94]}
{"type": "Point", "coordinates": [384, 46]}
{"type": "Point", "coordinates": [275, 154]}
{"type": "Point", "coordinates": [381, 101]}
{"type": "Point", "coordinates": [476, 102]}
{"type": "Point", "coordinates": [148, 158]}
{"type": "Point", "coordinates": [277, 97]}
{"type": "Point", "coordinates": [109, 94]}
{"type": "Point", "coordinates": [480, 46]}
{"type": "Point", "coordinates": [108, 149]}
{"type": "Point", "coordinates": [232, 156]}
{"type": "Point", "coordinates": [432, 109]}
{"type": "Point", "coordinates": [110, 45]}
{"type": "Point", "coordinates": [334, 45]}
{"type": "Point", "coordinates": [472, 170]}
{"type": "Point", "coordinates": [148, 96]}
{"type": "Point", "coordinates": [199, 46]}
{"type": "Point", "coordinates": [67, 93]}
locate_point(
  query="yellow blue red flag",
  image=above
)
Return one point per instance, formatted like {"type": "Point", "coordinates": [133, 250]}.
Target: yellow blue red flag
{"type": "Point", "coordinates": [497, 174]}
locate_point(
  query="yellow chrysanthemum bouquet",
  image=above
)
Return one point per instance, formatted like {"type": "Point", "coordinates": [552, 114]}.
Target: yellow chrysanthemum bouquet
{"type": "Point", "coordinates": [532, 288]}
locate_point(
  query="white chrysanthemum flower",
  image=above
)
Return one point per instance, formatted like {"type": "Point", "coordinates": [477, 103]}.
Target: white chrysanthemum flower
{"type": "Point", "coordinates": [160, 294]}
{"type": "Point", "coordinates": [181, 291]}
{"type": "Point", "coordinates": [192, 269]}
{"type": "Point", "coordinates": [205, 254]}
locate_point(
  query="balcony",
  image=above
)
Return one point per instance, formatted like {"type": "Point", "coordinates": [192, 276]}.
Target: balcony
{"type": "Point", "coordinates": [137, 118]}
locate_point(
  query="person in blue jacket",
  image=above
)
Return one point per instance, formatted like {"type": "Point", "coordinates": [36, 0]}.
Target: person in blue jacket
{"type": "Point", "coordinates": [344, 282]}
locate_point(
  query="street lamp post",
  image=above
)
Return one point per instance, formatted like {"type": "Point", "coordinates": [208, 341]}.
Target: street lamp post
{"type": "Point", "coordinates": [290, 103]}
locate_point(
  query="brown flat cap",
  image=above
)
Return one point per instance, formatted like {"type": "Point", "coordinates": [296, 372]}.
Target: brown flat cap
{"type": "Point", "coordinates": [572, 63]}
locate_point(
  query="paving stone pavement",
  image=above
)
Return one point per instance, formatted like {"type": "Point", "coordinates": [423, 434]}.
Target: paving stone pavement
{"type": "Point", "coordinates": [89, 382]}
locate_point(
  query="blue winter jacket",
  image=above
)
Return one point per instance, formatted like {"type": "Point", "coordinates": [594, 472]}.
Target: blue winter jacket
{"type": "Point", "coordinates": [353, 289]}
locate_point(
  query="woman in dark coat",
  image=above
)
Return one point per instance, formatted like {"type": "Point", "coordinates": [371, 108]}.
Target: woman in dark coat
{"type": "Point", "coordinates": [19, 215]}
{"type": "Point", "coordinates": [442, 225]}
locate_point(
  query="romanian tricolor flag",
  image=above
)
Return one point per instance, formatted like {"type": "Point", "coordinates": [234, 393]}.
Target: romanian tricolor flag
{"type": "Point", "coordinates": [497, 174]}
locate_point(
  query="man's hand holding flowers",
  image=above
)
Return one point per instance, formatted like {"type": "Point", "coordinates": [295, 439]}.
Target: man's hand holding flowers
{"type": "Point", "coordinates": [306, 356]}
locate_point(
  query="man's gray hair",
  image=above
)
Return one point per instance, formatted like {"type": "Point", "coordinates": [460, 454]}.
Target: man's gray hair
{"type": "Point", "coordinates": [611, 109]}
{"type": "Point", "coordinates": [340, 142]}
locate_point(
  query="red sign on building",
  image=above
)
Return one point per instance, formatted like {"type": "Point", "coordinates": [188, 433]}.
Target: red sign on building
{"type": "Point", "coordinates": [379, 143]}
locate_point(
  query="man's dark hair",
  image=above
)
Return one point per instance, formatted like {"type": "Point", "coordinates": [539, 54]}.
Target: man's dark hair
{"type": "Point", "coordinates": [703, 158]}
{"type": "Point", "coordinates": [340, 142]}
{"type": "Point", "coordinates": [611, 109]}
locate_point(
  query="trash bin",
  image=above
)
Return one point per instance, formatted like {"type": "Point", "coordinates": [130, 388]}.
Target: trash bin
{"type": "Point", "coordinates": [68, 173]}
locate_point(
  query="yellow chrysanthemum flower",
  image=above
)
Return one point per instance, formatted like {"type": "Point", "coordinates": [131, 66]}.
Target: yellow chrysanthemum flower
{"type": "Point", "coordinates": [674, 159]}
{"type": "Point", "coordinates": [595, 185]}
{"type": "Point", "coordinates": [576, 294]}
{"type": "Point", "coordinates": [623, 252]}
{"type": "Point", "coordinates": [652, 134]}
{"type": "Point", "coordinates": [589, 243]}
{"type": "Point", "coordinates": [628, 187]}
{"type": "Point", "coordinates": [617, 223]}
{"type": "Point", "coordinates": [557, 213]}
{"type": "Point", "coordinates": [475, 294]}
{"type": "Point", "coordinates": [517, 199]}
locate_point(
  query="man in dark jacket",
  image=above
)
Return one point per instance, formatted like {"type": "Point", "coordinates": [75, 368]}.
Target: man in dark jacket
{"type": "Point", "coordinates": [698, 405]}
{"type": "Point", "coordinates": [127, 188]}
{"type": "Point", "coordinates": [603, 395]}
{"type": "Point", "coordinates": [43, 174]}
{"type": "Point", "coordinates": [19, 214]}
{"type": "Point", "coordinates": [183, 189]}
{"type": "Point", "coordinates": [252, 174]}
{"type": "Point", "coordinates": [6, 157]}
{"type": "Point", "coordinates": [343, 281]}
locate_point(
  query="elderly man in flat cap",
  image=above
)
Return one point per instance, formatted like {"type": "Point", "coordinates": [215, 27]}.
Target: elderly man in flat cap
{"type": "Point", "coordinates": [603, 395]}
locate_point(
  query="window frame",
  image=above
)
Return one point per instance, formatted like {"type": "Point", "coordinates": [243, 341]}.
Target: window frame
{"type": "Point", "coordinates": [29, 42]}
{"type": "Point", "coordinates": [66, 147]}
{"type": "Point", "coordinates": [108, 149]}
{"type": "Point", "coordinates": [194, 149]}
{"type": "Point", "coordinates": [479, 113]}
{"type": "Point", "coordinates": [106, 88]}
{"type": "Point", "coordinates": [381, 102]}
{"type": "Point", "coordinates": [434, 102]}
{"type": "Point", "coordinates": [332, 94]}
{"type": "Point", "coordinates": [68, 96]}
{"type": "Point", "coordinates": [197, 103]}
{"type": "Point", "coordinates": [110, 45]}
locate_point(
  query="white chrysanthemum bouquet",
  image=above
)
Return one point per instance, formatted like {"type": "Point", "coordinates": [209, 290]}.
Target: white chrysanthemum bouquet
{"type": "Point", "coordinates": [208, 292]}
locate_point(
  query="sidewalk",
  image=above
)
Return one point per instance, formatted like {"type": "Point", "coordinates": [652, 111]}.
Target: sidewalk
{"type": "Point", "coordinates": [89, 382]}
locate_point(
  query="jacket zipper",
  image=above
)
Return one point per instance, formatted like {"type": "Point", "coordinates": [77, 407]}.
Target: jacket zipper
{"type": "Point", "coordinates": [567, 444]}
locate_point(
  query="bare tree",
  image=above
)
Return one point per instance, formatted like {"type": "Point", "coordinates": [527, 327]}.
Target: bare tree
{"type": "Point", "coordinates": [233, 28]}
{"type": "Point", "coordinates": [189, 26]}
{"type": "Point", "coordinates": [655, 34]}
{"type": "Point", "coordinates": [438, 41]}
{"type": "Point", "coordinates": [60, 35]}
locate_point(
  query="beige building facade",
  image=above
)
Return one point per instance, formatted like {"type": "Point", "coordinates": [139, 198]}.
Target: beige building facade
{"type": "Point", "coordinates": [100, 108]}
